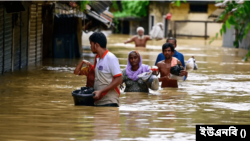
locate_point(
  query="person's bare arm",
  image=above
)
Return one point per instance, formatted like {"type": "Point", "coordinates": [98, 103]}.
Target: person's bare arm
{"type": "Point", "coordinates": [157, 73]}
{"type": "Point", "coordinates": [79, 66]}
{"type": "Point", "coordinates": [148, 37]}
{"type": "Point", "coordinates": [116, 82]}
{"type": "Point", "coordinates": [130, 40]}
{"type": "Point", "coordinates": [179, 62]}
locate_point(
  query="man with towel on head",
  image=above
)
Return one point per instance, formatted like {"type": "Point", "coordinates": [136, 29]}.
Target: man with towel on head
{"type": "Point", "coordinates": [140, 39]}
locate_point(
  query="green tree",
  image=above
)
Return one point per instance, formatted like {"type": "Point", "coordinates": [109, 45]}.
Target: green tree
{"type": "Point", "coordinates": [82, 4]}
{"type": "Point", "coordinates": [131, 9]}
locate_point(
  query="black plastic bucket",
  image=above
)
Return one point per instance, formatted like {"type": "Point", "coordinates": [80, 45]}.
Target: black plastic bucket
{"type": "Point", "coordinates": [82, 99]}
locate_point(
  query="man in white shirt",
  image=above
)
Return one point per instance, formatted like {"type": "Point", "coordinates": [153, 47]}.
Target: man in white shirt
{"type": "Point", "coordinates": [107, 72]}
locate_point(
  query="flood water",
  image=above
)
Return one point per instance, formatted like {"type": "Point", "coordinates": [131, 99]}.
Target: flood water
{"type": "Point", "coordinates": [36, 102]}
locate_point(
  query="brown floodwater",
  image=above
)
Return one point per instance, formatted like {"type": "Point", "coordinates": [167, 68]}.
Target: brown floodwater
{"type": "Point", "coordinates": [36, 102]}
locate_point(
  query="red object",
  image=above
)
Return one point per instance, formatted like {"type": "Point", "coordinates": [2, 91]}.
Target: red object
{"type": "Point", "coordinates": [91, 77]}
{"type": "Point", "coordinates": [154, 69]}
{"type": "Point", "coordinates": [168, 16]}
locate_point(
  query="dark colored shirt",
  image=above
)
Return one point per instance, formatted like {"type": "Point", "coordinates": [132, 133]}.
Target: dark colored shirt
{"type": "Point", "coordinates": [134, 86]}
{"type": "Point", "coordinates": [177, 55]}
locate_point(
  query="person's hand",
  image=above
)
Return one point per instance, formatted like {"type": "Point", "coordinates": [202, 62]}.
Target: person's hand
{"type": "Point", "coordinates": [97, 94]}
{"type": "Point", "coordinates": [183, 73]}
{"type": "Point", "coordinates": [166, 77]}
{"type": "Point", "coordinates": [121, 86]}
{"type": "Point", "coordinates": [125, 42]}
{"type": "Point", "coordinates": [154, 72]}
{"type": "Point", "coordinates": [86, 62]}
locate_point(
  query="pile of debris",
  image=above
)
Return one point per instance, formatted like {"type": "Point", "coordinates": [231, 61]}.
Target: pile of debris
{"type": "Point", "coordinates": [96, 15]}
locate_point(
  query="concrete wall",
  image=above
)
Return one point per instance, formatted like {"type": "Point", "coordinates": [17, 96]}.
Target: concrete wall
{"type": "Point", "coordinates": [245, 44]}
{"type": "Point", "coordinates": [158, 10]}
{"type": "Point", "coordinates": [182, 13]}
{"type": "Point", "coordinates": [134, 24]}
{"type": "Point", "coordinates": [229, 37]}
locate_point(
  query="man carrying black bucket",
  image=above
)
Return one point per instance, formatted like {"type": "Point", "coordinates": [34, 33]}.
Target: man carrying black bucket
{"type": "Point", "coordinates": [107, 72]}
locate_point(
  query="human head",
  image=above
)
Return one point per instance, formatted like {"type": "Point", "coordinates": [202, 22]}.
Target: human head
{"type": "Point", "coordinates": [168, 50]}
{"type": "Point", "coordinates": [97, 41]}
{"type": "Point", "coordinates": [140, 31]}
{"type": "Point", "coordinates": [172, 41]}
{"type": "Point", "coordinates": [134, 58]}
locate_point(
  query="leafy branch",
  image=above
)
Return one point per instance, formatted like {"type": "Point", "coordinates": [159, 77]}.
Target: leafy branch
{"type": "Point", "coordinates": [82, 4]}
{"type": "Point", "coordinates": [131, 9]}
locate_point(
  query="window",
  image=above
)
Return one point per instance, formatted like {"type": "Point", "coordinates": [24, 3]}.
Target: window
{"type": "Point", "coordinates": [152, 21]}
{"type": "Point", "coordinates": [196, 8]}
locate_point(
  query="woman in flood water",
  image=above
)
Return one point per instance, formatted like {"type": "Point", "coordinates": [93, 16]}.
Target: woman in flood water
{"type": "Point", "coordinates": [130, 74]}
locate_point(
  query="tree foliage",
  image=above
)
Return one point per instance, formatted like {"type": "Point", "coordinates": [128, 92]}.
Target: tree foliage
{"type": "Point", "coordinates": [178, 2]}
{"type": "Point", "coordinates": [240, 19]}
{"type": "Point", "coordinates": [238, 16]}
{"type": "Point", "coordinates": [131, 9]}
{"type": "Point", "coordinates": [82, 4]}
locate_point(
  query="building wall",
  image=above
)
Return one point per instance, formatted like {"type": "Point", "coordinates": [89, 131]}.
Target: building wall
{"type": "Point", "coordinates": [245, 44]}
{"type": "Point", "coordinates": [158, 10]}
{"type": "Point", "coordinates": [15, 32]}
{"type": "Point", "coordinates": [229, 37]}
{"type": "Point", "coordinates": [135, 24]}
{"type": "Point", "coordinates": [182, 13]}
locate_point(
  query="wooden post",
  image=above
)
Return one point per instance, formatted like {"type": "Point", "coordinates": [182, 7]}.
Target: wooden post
{"type": "Point", "coordinates": [28, 39]}
{"type": "Point", "coordinates": [13, 48]}
{"type": "Point", "coordinates": [3, 37]}
{"type": "Point", "coordinates": [205, 30]}
{"type": "Point", "coordinates": [20, 46]}
{"type": "Point", "coordinates": [174, 29]}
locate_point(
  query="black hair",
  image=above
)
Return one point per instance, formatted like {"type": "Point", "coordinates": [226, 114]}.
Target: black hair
{"type": "Point", "coordinates": [100, 38]}
{"type": "Point", "coordinates": [171, 38]}
{"type": "Point", "coordinates": [167, 45]}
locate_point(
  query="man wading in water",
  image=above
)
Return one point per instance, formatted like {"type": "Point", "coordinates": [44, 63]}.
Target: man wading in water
{"type": "Point", "coordinates": [107, 72]}
{"type": "Point", "coordinates": [140, 39]}
{"type": "Point", "coordinates": [164, 66]}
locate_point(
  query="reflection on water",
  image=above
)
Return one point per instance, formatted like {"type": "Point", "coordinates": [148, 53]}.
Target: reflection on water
{"type": "Point", "coordinates": [36, 103]}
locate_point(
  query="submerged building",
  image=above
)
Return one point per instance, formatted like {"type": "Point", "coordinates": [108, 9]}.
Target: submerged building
{"type": "Point", "coordinates": [31, 31]}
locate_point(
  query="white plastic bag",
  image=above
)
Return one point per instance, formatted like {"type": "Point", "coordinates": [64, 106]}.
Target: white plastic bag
{"type": "Point", "coordinates": [151, 80]}
{"type": "Point", "coordinates": [191, 65]}
{"type": "Point", "coordinates": [144, 76]}
{"type": "Point", "coordinates": [157, 31]}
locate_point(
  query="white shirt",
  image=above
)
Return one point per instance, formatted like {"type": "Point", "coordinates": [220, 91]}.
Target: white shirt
{"type": "Point", "coordinates": [108, 63]}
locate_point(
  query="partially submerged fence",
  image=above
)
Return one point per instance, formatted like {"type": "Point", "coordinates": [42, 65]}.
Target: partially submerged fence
{"type": "Point", "coordinates": [185, 29]}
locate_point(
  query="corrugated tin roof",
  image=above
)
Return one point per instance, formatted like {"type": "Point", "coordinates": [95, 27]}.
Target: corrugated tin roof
{"type": "Point", "coordinates": [216, 13]}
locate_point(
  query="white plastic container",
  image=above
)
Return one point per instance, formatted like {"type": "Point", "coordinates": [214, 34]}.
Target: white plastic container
{"type": "Point", "coordinates": [178, 78]}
